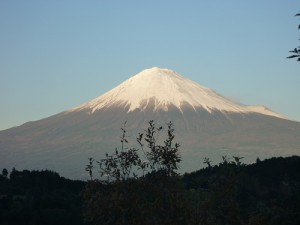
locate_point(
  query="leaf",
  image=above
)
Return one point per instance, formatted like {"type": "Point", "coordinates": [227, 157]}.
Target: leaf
{"type": "Point", "coordinates": [292, 56]}
{"type": "Point", "coordinates": [295, 50]}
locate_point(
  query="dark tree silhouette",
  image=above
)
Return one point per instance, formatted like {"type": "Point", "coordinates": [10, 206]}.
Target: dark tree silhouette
{"type": "Point", "coordinates": [124, 195]}
{"type": "Point", "coordinates": [5, 173]}
{"type": "Point", "coordinates": [207, 161]}
{"type": "Point", "coordinates": [40, 197]}
{"type": "Point", "coordinates": [296, 51]}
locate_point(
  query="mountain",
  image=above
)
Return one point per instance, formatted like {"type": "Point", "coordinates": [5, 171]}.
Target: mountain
{"type": "Point", "coordinates": [206, 125]}
{"type": "Point", "coordinates": [162, 89]}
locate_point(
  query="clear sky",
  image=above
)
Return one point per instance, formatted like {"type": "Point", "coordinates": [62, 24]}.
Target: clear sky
{"type": "Point", "coordinates": [58, 54]}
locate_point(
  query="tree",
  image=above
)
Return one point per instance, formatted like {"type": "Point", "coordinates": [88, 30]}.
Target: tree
{"type": "Point", "coordinates": [5, 173]}
{"type": "Point", "coordinates": [237, 160]}
{"type": "Point", "coordinates": [207, 161]}
{"type": "Point", "coordinates": [296, 51]}
{"type": "Point", "coordinates": [152, 157]}
{"type": "Point", "coordinates": [138, 186]}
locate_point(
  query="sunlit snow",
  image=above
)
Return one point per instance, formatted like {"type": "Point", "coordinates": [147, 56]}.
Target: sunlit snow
{"type": "Point", "coordinates": [167, 88]}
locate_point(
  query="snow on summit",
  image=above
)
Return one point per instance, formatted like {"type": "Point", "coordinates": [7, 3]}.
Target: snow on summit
{"type": "Point", "coordinates": [166, 88]}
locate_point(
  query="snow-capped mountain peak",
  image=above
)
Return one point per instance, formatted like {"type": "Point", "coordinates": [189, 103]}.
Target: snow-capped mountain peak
{"type": "Point", "coordinates": [162, 88]}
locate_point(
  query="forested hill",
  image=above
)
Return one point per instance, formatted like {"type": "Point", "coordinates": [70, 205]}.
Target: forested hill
{"type": "Point", "coordinates": [267, 192]}
{"type": "Point", "coordinates": [270, 172]}
{"type": "Point", "coordinates": [39, 197]}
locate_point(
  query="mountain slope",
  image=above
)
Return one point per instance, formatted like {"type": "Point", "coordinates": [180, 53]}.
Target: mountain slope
{"type": "Point", "coordinates": [163, 88]}
{"type": "Point", "coordinates": [206, 125]}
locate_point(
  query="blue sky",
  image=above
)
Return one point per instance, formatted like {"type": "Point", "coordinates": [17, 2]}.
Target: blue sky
{"type": "Point", "coordinates": [55, 55]}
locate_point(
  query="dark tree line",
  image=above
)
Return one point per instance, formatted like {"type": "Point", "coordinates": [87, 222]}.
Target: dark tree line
{"type": "Point", "coordinates": [267, 192]}
{"type": "Point", "coordinates": [39, 197]}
